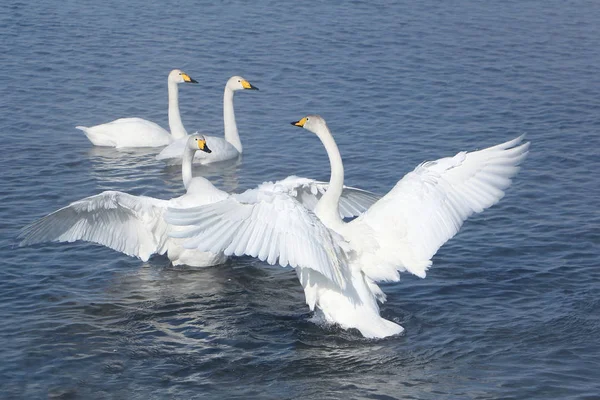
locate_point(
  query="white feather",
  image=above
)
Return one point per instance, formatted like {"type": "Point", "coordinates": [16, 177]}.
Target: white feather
{"type": "Point", "coordinates": [262, 213]}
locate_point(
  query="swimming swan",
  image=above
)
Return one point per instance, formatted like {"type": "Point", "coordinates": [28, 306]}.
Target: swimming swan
{"type": "Point", "coordinates": [138, 132]}
{"type": "Point", "coordinates": [223, 148]}
{"type": "Point", "coordinates": [399, 233]}
{"type": "Point", "coordinates": [135, 225]}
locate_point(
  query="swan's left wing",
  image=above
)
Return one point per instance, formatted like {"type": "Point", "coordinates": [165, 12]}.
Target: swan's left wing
{"type": "Point", "coordinates": [271, 226]}
{"type": "Point", "coordinates": [427, 207]}
{"type": "Point", "coordinates": [130, 224]}
{"type": "Point", "coordinates": [353, 201]}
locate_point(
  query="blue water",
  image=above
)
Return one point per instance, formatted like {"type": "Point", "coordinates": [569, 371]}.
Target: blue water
{"type": "Point", "coordinates": [509, 309]}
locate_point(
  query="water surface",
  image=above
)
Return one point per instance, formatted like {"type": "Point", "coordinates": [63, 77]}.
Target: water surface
{"type": "Point", "coordinates": [509, 309]}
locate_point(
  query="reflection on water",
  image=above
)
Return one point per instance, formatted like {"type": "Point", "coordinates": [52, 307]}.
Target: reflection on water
{"type": "Point", "coordinates": [111, 165]}
{"type": "Point", "coordinates": [119, 155]}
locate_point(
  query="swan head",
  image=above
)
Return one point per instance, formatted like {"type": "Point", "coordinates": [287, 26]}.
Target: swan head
{"type": "Point", "coordinates": [313, 123]}
{"type": "Point", "coordinates": [238, 83]}
{"type": "Point", "coordinates": [198, 142]}
{"type": "Point", "coordinates": [178, 76]}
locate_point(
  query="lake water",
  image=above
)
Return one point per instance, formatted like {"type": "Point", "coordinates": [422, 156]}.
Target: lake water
{"type": "Point", "coordinates": [510, 308]}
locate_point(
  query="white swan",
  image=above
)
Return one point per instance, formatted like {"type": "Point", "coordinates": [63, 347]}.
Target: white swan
{"type": "Point", "coordinates": [223, 148]}
{"type": "Point", "coordinates": [135, 225]}
{"type": "Point", "coordinates": [400, 232]}
{"type": "Point", "coordinates": [138, 132]}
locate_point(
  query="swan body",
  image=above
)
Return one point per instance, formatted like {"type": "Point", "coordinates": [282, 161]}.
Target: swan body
{"type": "Point", "coordinates": [138, 132]}
{"type": "Point", "coordinates": [223, 148]}
{"type": "Point", "coordinates": [399, 233]}
{"type": "Point", "coordinates": [135, 225]}
{"type": "Point", "coordinates": [127, 132]}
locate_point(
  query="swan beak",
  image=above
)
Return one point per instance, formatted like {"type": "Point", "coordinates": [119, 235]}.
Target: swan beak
{"type": "Point", "coordinates": [300, 123]}
{"type": "Point", "coordinates": [188, 79]}
{"type": "Point", "coordinates": [248, 85]}
{"type": "Point", "coordinates": [202, 146]}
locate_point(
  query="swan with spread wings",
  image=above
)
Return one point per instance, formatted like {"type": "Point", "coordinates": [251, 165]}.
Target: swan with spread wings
{"type": "Point", "coordinates": [399, 233]}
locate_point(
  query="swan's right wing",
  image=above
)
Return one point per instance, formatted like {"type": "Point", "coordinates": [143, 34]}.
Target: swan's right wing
{"type": "Point", "coordinates": [133, 225]}
{"type": "Point", "coordinates": [403, 230]}
{"type": "Point", "coordinates": [353, 201]}
{"type": "Point", "coordinates": [273, 227]}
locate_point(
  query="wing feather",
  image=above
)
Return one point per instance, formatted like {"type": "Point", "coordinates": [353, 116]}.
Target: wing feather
{"type": "Point", "coordinates": [307, 192]}
{"type": "Point", "coordinates": [273, 227]}
{"type": "Point", "coordinates": [129, 224]}
{"type": "Point", "coordinates": [429, 205]}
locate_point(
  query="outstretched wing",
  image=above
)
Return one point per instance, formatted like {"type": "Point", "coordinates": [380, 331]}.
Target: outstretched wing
{"type": "Point", "coordinates": [130, 224]}
{"type": "Point", "coordinates": [429, 205]}
{"type": "Point", "coordinates": [353, 201]}
{"type": "Point", "coordinates": [271, 226]}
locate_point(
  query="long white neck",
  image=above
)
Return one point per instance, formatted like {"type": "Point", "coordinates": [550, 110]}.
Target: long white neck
{"type": "Point", "coordinates": [327, 208]}
{"type": "Point", "coordinates": [175, 125]}
{"type": "Point", "coordinates": [186, 166]}
{"type": "Point", "coordinates": [230, 127]}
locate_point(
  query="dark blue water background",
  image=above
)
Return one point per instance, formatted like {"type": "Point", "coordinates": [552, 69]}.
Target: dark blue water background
{"type": "Point", "coordinates": [510, 308]}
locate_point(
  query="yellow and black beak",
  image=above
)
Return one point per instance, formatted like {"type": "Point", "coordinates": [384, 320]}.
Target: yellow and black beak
{"type": "Point", "coordinates": [187, 78]}
{"type": "Point", "coordinates": [300, 123]}
{"type": "Point", "coordinates": [202, 146]}
{"type": "Point", "coordinates": [248, 85]}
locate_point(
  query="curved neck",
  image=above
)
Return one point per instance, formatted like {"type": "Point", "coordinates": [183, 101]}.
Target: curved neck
{"type": "Point", "coordinates": [186, 166]}
{"type": "Point", "coordinates": [327, 208]}
{"type": "Point", "coordinates": [175, 125]}
{"type": "Point", "coordinates": [230, 127]}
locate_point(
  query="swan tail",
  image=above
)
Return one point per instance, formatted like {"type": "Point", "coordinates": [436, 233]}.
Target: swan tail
{"type": "Point", "coordinates": [354, 307]}
{"type": "Point", "coordinates": [96, 138]}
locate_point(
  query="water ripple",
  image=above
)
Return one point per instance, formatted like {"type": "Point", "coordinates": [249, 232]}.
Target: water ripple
{"type": "Point", "coordinates": [509, 309]}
